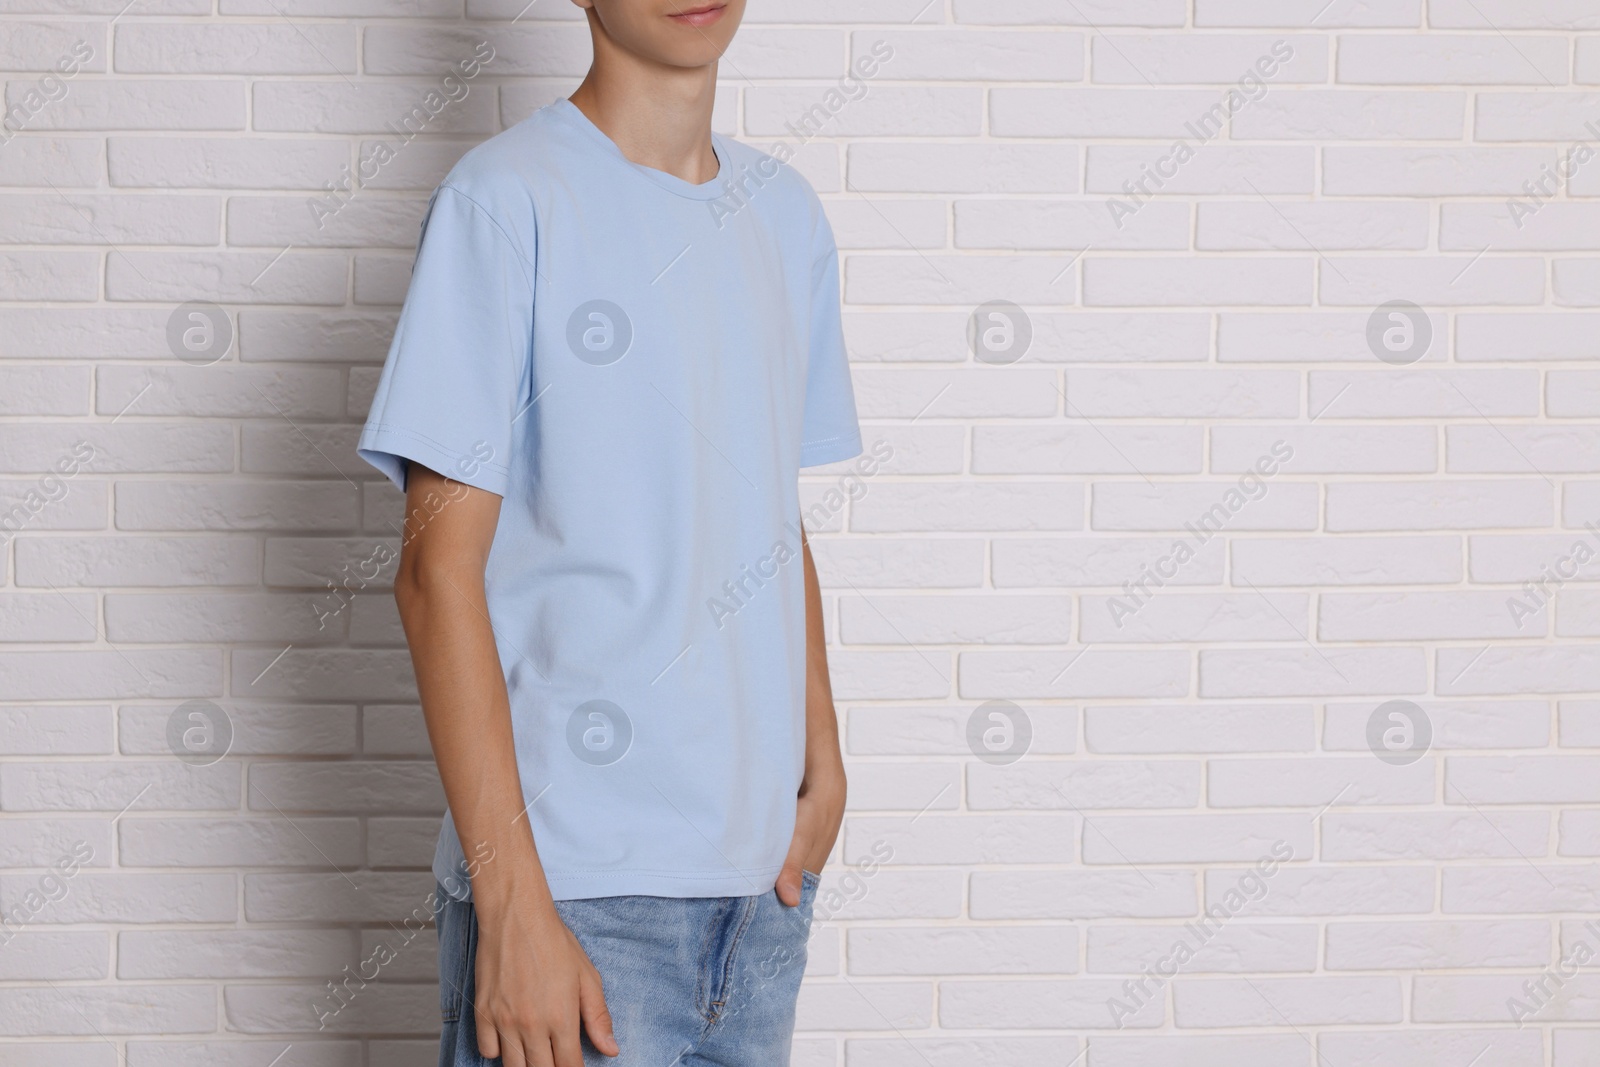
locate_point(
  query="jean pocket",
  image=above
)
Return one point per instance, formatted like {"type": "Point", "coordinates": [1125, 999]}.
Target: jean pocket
{"type": "Point", "coordinates": [455, 921]}
{"type": "Point", "coordinates": [809, 883]}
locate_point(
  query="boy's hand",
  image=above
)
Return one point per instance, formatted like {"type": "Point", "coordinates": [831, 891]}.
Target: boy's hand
{"type": "Point", "coordinates": [818, 813]}
{"type": "Point", "coordinates": [535, 985]}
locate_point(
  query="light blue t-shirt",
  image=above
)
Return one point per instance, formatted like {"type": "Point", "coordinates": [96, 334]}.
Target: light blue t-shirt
{"type": "Point", "coordinates": [639, 366]}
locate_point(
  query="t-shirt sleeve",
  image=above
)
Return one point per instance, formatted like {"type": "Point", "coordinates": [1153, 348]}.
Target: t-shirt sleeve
{"type": "Point", "coordinates": [458, 369]}
{"type": "Point", "coordinates": [831, 432]}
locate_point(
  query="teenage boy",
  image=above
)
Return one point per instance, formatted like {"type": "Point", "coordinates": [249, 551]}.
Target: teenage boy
{"type": "Point", "coordinates": [620, 345]}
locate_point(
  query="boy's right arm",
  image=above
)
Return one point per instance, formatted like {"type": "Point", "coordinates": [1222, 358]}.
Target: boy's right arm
{"type": "Point", "coordinates": [534, 982]}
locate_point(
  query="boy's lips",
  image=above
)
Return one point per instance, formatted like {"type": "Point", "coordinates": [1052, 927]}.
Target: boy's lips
{"type": "Point", "coordinates": [699, 14]}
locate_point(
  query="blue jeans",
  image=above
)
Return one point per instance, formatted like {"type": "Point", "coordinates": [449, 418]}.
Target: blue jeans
{"type": "Point", "coordinates": [690, 982]}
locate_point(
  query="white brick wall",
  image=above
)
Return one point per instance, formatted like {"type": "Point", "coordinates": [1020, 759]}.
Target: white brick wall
{"type": "Point", "coordinates": [178, 526]}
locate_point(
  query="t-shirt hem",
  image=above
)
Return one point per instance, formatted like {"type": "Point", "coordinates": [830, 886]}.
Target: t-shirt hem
{"type": "Point", "coordinates": [830, 450]}
{"type": "Point", "coordinates": [586, 885]}
{"type": "Point", "coordinates": [388, 447]}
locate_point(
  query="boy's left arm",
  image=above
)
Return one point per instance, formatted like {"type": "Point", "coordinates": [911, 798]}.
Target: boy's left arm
{"type": "Point", "coordinates": [820, 807]}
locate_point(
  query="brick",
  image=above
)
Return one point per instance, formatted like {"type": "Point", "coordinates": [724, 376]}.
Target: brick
{"type": "Point", "coordinates": [1055, 224]}
{"type": "Point", "coordinates": [932, 167]}
{"type": "Point", "coordinates": [1021, 562]}
{"type": "Point", "coordinates": [220, 390]}
{"type": "Point", "coordinates": [182, 48]}
{"type": "Point", "coordinates": [223, 954]}
{"type": "Point", "coordinates": [1323, 226]}
{"type": "Point", "coordinates": [40, 46]}
{"type": "Point", "coordinates": [942, 730]}
{"type": "Point", "coordinates": [1172, 617]}
{"type": "Point", "coordinates": [122, 897]}
{"type": "Point", "coordinates": [962, 839]}
{"type": "Point", "coordinates": [1420, 616]}
{"type": "Point", "coordinates": [1133, 839]}
{"type": "Point", "coordinates": [375, 107]}
{"type": "Point", "coordinates": [54, 956]}
{"type": "Point", "coordinates": [1304, 337]}
{"type": "Point", "coordinates": [88, 219]}
{"type": "Point", "coordinates": [92, 674]}
{"type": "Point", "coordinates": [1093, 13]}
{"type": "Point", "coordinates": [1434, 172]}
{"type": "Point", "coordinates": [1072, 1004]}
{"type": "Point", "coordinates": [1381, 59]}
{"type": "Point", "coordinates": [222, 162]}
{"type": "Point", "coordinates": [1555, 227]}
{"type": "Point", "coordinates": [212, 506]}
{"type": "Point", "coordinates": [1436, 1047]}
{"type": "Point", "coordinates": [1065, 785]}
{"type": "Point", "coordinates": [895, 507]}
{"type": "Point", "coordinates": [1082, 894]}
{"type": "Point", "coordinates": [991, 391]}
{"type": "Point", "coordinates": [1366, 946]}
{"type": "Point", "coordinates": [943, 279]}
{"type": "Point", "coordinates": [1200, 281]}
{"type": "Point", "coordinates": [872, 1006]}
{"type": "Point", "coordinates": [972, 55]}
{"type": "Point", "coordinates": [1424, 394]}
{"type": "Point", "coordinates": [1449, 505]}
{"type": "Point", "coordinates": [56, 617]}
{"type": "Point", "coordinates": [233, 842]}
{"type": "Point", "coordinates": [1451, 281]}
{"type": "Point", "coordinates": [1455, 724]}
{"type": "Point", "coordinates": [1335, 561]}
{"type": "Point", "coordinates": [1177, 729]}
{"type": "Point", "coordinates": [1083, 673]}
{"type": "Point", "coordinates": [139, 104]}
{"type": "Point", "coordinates": [1556, 669]}
{"type": "Point", "coordinates": [1219, 59]}
{"type": "Point", "coordinates": [124, 784]}
{"type": "Point", "coordinates": [1229, 1002]}
{"type": "Point", "coordinates": [181, 618]}
{"type": "Point", "coordinates": [44, 842]}
{"type": "Point", "coordinates": [276, 277]}
{"type": "Point", "coordinates": [1199, 1050]}
{"type": "Point", "coordinates": [1505, 14]}
{"type": "Point", "coordinates": [1223, 394]}
{"type": "Point", "coordinates": [1130, 174]}
{"type": "Point", "coordinates": [886, 620]}
{"type": "Point", "coordinates": [1086, 449]}
{"type": "Point", "coordinates": [1310, 13]}
{"type": "Point", "coordinates": [125, 560]}
{"type": "Point", "coordinates": [380, 786]}
{"type": "Point", "coordinates": [65, 276]}
{"type": "Point", "coordinates": [1328, 891]}
{"type": "Point", "coordinates": [1156, 114]}
{"type": "Point", "coordinates": [55, 730]}
{"type": "Point", "coordinates": [258, 730]}
{"type": "Point", "coordinates": [886, 111]}
{"type": "Point", "coordinates": [1201, 509]}
{"type": "Point", "coordinates": [1234, 948]}
{"type": "Point", "coordinates": [122, 1009]}
{"type": "Point", "coordinates": [1434, 835]}
{"type": "Point", "coordinates": [942, 951]}
{"type": "Point", "coordinates": [1347, 114]}
{"type": "Point", "coordinates": [1317, 783]}
{"type": "Point", "coordinates": [69, 162]}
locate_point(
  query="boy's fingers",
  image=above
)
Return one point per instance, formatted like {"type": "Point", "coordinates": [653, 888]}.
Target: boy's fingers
{"type": "Point", "coordinates": [537, 1054]}
{"type": "Point", "coordinates": [596, 1017]}
{"type": "Point", "coordinates": [567, 1048]}
{"type": "Point", "coordinates": [488, 1038]}
{"type": "Point", "coordinates": [511, 1053]}
{"type": "Point", "coordinates": [789, 883]}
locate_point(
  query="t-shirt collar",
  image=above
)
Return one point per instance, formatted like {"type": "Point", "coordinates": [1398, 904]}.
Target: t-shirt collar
{"type": "Point", "coordinates": [711, 190]}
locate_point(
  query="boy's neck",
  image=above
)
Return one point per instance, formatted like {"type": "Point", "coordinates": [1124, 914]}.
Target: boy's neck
{"type": "Point", "coordinates": [660, 117]}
